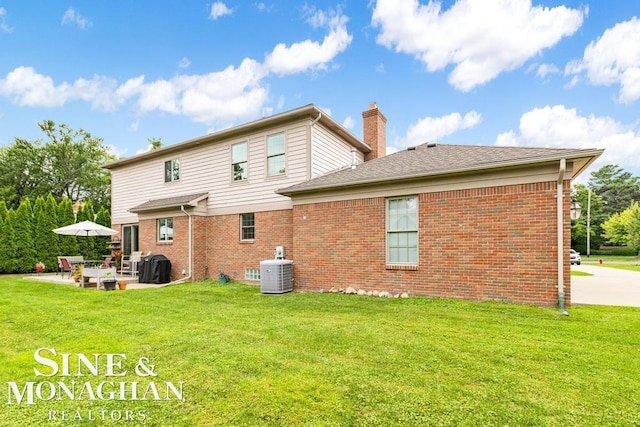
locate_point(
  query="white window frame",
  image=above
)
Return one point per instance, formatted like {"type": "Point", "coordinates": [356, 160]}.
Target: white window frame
{"type": "Point", "coordinates": [237, 162]}
{"type": "Point", "coordinates": [172, 170]}
{"type": "Point", "coordinates": [402, 233]}
{"type": "Point", "coordinates": [271, 155]}
{"type": "Point", "coordinates": [244, 227]}
{"type": "Point", "coordinates": [166, 237]}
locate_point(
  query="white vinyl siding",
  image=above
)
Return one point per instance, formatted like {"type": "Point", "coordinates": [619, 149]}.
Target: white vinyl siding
{"type": "Point", "coordinates": [205, 168]}
{"type": "Point", "coordinates": [329, 152]}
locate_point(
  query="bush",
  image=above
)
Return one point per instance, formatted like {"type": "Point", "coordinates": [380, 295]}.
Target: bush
{"type": "Point", "coordinates": [615, 252]}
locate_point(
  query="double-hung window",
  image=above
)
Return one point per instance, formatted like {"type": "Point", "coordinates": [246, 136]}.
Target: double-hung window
{"type": "Point", "coordinates": [165, 229]}
{"type": "Point", "coordinates": [172, 170]}
{"type": "Point", "coordinates": [247, 226]}
{"type": "Point", "coordinates": [239, 161]}
{"type": "Point", "coordinates": [402, 230]}
{"type": "Point", "coordinates": [276, 158]}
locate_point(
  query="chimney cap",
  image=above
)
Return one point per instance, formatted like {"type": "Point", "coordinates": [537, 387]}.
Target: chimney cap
{"type": "Point", "coordinates": [373, 105]}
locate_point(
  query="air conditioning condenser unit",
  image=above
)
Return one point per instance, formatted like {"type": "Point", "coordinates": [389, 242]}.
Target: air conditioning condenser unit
{"type": "Point", "coordinates": [276, 276]}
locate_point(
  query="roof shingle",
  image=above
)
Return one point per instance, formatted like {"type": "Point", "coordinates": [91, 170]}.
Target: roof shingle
{"type": "Point", "coordinates": [436, 159]}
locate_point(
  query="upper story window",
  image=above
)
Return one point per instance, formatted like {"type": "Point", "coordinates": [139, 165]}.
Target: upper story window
{"type": "Point", "coordinates": [239, 161]}
{"type": "Point", "coordinates": [247, 226]}
{"type": "Point", "coordinates": [165, 229]}
{"type": "Point", "coordinates": [402, 230]}
{"type": "Point", "coordinates": [276, 159]}
{"type": "Point", "coordinates": [172, 170]}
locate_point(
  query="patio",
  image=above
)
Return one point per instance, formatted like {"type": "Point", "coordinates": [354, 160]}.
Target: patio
{"type": "Point", "coordinates": [132, 282]}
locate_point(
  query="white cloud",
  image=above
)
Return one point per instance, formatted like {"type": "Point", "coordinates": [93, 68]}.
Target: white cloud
{"type": "Point", "coordinates": [380, 68]}
{"type": "Point", "coordinates": [29, 88]}
{"type": "Point", "coordinates": [545, 69]}
{"type": "Point", "coordinates": [349, 123]}
{"type": "Point", "coordinates": [481, 38]}
{"type": "Point", "coordinates": [433, 128]}
{"type": "Point", "coordinates": [73, 17]}
{"type": "Point", "coordinates": [184, 63]}
{"type": "Point", "coordinates": [219, 9]}
{"type": "Point", "coordinates": [309, 54]}
{"type": "Point", "coordinates": [218, 98]}
{"type": "Point", "coordinates": [3, 23]}
{"type": "Point", "coordinates": [613, 59]}
{"type": "Point", "coordinates": [562, 127]}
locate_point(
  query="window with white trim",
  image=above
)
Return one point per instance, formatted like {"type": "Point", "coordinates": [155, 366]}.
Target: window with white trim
{"type": "Point", "coordinates": [402, 230]}
{"type": "Point", "coordinates": [239, 161]}
{"type": "Point", "coordinates": [247, 226]}
{"type": "Point", "coordinates": [276, 158]}
{"type": "Point", "coordinates": [172, 170]}
{"type": "Point", "coordinates": [165, 229]}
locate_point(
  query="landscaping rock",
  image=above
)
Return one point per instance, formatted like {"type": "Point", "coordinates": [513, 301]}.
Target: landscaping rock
{"type": "Point", "coordinates": [385, 294]}
{"type": "Point", "coordinates": [350, 291]}
{"type": "Point", "coordinates": [362, 292]}
{"type": "Point", "coordinates": [404, 295]}
{"type": "Point", "coordinates": [375, 293]}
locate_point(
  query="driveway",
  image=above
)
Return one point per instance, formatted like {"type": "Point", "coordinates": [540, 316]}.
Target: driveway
{"type": "Point", "coordinates": [607, 286]}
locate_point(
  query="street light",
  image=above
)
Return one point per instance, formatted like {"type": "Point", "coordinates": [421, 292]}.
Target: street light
{"type": "Point", "coordinates": [576, 210]}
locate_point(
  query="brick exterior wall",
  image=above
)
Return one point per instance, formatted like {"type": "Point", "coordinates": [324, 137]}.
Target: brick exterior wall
{"type": "Point", "coordinates": [226, 253]}
{"type": "Point", "coordinates": [496, 243]}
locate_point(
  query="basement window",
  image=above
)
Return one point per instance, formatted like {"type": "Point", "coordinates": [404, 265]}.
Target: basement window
{"type": "Point", "coordinates": [252, 274]}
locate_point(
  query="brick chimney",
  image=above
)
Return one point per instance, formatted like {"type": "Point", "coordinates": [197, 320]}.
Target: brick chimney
{"type": "Point", "coordinates": [374, 133]}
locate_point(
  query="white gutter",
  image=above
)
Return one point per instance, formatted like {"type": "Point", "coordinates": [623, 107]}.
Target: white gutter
{"type": "Point", "coordinates": [561, 257]}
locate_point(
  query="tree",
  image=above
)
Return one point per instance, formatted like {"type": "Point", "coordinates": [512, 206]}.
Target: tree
{"type": "Point", "coordinates": [44, 216]}
{"type": "Point", "coordinates": [9, 245]}
{"type": "Point", "coordinates": [617, 188]}
{"type": "Point", "coordinates": [68, 165]}
{"type": "Point", "coordinates": [580, 194]}
{"type": "Point", "coordinates": [68, 245]}
{"type": "Point", "coordinates": [25, 251]}
{"type": "Point", "coordinates": [623, 228]}
{"type": "Point", "coordinates": [155, 143]}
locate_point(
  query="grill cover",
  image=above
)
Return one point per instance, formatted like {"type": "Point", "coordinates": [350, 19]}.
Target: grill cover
{"type": "Point", "coordinates": [154, 269]}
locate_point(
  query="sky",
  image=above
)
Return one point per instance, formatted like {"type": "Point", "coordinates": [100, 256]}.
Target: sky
{"type": "Point", "coordinates": [549, 73]}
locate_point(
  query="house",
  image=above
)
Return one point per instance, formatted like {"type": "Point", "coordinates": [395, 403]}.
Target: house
{"type": "Point", "coordinates": [473, 222]}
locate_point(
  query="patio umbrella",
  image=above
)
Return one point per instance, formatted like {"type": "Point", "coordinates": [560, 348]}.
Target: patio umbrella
{"type": "Point", "coordinates": [85, 228]}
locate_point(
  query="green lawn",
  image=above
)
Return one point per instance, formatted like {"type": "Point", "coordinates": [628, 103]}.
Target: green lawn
{"type": "Point", "coordinates": [323, 359]}
{"type": "Point", "coordinates": [580, 273]}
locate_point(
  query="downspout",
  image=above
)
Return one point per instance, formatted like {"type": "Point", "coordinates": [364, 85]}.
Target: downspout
{"type": "Point", "coordinates": [188, 276]}
{"type": "Point", "coordinates": [561, 258]}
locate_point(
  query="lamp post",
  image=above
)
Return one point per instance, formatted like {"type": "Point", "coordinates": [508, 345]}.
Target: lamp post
{"type": "Point", "coordinates": [589, 224]}
{"type": "Point", "coordinates": [576, 210]}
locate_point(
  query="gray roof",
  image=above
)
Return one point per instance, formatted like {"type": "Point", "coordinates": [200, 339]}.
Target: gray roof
{"type": "Point", "coordinates": [429, 160]}
{"type": "Point", "coordinates": [170, 202]}
{"type": "Point", "coordinates": [309, 111]}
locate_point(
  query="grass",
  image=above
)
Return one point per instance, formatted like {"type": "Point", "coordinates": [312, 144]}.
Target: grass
{"type": "Point", "coordinates": [323, 359]}
{"type": "Point", "coordinates": [580, 273]}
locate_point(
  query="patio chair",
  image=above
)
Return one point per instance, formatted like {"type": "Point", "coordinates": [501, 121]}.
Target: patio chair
{"type": "Point", "coordinates": [67, 267]}
{"type": "Point", "coordinates": [130, 264]}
